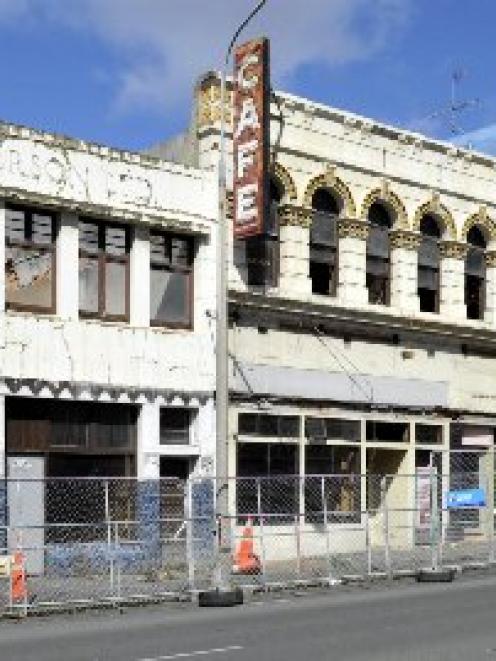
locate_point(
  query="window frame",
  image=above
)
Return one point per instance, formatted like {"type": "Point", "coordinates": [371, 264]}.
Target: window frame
{"type": "Point", "coordinates": [51, 248]}
{"type": "Point", "coordinates": [174, 268]}
{"type": "Point", "coordinates": [382, 260]}
{"type": "Point", "coordinates": [103, 258]}
{"type": "Point", "coordinates": [435, 271]}
{"type": "Point", "coordinates": [330, 252]}
{"type": "Point", "coordinates": [481, 284]}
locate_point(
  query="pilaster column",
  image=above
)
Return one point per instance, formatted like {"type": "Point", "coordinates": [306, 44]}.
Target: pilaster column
{"type": "Point", "coordinates": [139, 286]}
{"type": "Point", "coordinates": [452, 275]}
{"type": "Point", "coordinates": [148, 442]}
{"type": "Point", "coordinates": [2, 283]}
{"type": "Point", "coordinates": [404, 269]}
{"type": "Point", "coordinates": [490, 311]}
{"type": "Point", "coordinates": [294, 249]}
{"type": "Point", "coordinates": [67, 278]}
{"type": "Point", "coordinates": [352, 260]}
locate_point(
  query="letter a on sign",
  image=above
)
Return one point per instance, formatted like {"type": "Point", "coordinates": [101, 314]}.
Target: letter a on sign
{"type": "Point", "coordinates": [251, 138]}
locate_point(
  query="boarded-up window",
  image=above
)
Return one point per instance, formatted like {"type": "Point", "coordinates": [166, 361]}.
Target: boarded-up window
{"type": "Point", "coordinates": [103, 270]}
{"type": "Point", "coordinates": [29, 260]}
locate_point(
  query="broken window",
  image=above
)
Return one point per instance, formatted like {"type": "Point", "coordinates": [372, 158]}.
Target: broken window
{"type": "Point", "coordinates": [262, 252]}
{"type": "Point", "coordinates": [428, 265]}
{"type": "Point", "coordinates": [475, 274]}
{"type": "Point", "coordinates": [29, 260]}
{"type": "Point", "coordinates": [171, 280]}
{"type": "Point", "coordinates": [332, 429]}
{"type": "Point", "coordinates": [103, 270]}
{"type": "Point", "coordinates": [175, 426]}
{"type": "Point", "coordinates": [332, 484]}
{"type": "Point", "coordinates": [268, 481]}
{"type": "Point", "coordinates": [263, 424]}
{"type": "Point", "coordinates": [394, 432]}
{"type": "Point", "coordinates": [378, 257]}
{"type": "Point", "coordinates": [323, 243]}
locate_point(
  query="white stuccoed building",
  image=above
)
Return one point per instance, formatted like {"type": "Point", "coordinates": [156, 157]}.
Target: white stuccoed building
{"type": "Point", "coordinates": [107, 311]}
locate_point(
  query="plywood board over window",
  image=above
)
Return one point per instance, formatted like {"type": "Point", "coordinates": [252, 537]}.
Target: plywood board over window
{"type": "Point", "coordinates": [30, 260]}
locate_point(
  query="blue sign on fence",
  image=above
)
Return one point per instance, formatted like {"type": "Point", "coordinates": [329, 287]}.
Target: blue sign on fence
{"type": "Point", "coordinates": [466, 498]}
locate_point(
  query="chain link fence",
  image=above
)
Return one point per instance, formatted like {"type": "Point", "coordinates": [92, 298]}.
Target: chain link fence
{"type": "Point", "coordinates": [114, 541]}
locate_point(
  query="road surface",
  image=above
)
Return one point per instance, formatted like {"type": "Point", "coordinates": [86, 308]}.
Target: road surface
{"type": "Point", "coordinates": [454, 622]}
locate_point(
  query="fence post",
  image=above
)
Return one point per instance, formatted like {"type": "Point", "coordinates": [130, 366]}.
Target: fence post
{"type": "Point", "coordinates": [109, 536]}
{"type": "Point", "coordinates": [298, 544]}
{"type": "Point", "coordinates": [190, 551]}
{"type": "Point", "coordinates": [434, 529]}
{"type": "Point", "coordinates": [118, 558]}
{"type": "Point", "coordinates": [490, 514]}
{"type": "Point", "coordinates": [326, 527]}
{"type": "Point", "coordinates": [368, 543]}
{"type": "Point", "coordinates": [385, 509]}
{"type": "Point", "coordinates": [261, 529]}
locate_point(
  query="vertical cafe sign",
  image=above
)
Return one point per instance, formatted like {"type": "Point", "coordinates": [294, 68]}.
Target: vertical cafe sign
{"type": "Point", "coordinates": [251, 125]}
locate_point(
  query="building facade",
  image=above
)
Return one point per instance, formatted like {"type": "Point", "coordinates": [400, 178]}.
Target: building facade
{"type": "Point", "coordinates": [106, 311]}
{"type": "Point", "coordinates": [363, 328]}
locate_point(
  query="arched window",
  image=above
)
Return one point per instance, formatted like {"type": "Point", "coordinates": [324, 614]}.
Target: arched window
{"type": "Point", "coordinates": [378, 257]}
{"type": "Point", "coordinates": [428, 264]}
{"type": "Point", "coordinates": [323, 243]}
{"type": "Point", "coordinates": [262, 252]}
{"type": "Point", "coordinates": [475, 274]}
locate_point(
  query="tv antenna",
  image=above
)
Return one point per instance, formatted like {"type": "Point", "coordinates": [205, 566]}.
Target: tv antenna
{"type": "Point", "coordinates": [456, 107]}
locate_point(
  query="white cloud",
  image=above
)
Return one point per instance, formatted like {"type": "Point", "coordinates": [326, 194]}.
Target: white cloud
{"type": "Point", "coordinates": [166, 44]}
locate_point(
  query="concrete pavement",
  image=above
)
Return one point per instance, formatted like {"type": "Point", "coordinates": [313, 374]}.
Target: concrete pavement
{"type": "Point", "coordinates": [405, 622]}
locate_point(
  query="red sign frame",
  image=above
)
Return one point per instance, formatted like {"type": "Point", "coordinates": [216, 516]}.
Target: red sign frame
{"type": "Point", "coordinates": [251, 138]}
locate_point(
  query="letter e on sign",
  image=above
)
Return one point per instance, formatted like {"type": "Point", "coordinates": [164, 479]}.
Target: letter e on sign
{"type": "Point", "coordinates": [251, 138]}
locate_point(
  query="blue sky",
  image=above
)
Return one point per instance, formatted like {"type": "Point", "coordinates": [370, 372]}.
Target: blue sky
{"type": "Point", "coordinates": [121, 72]}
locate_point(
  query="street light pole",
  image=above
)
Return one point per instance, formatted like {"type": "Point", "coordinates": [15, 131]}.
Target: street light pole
{"type": "Point", "coordinates": [223, 569]}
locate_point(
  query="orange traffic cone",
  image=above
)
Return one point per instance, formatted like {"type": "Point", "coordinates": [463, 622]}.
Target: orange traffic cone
{"type": "Point", "coordinates": [245, 559]}
{"type": "Point", "coordinates": [19, 590]}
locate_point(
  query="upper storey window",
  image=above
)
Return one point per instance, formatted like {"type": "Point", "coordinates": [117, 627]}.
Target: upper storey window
{"type": "Point", "coordinates": [262, 252]}
{"type": "Point", "coordinates": [378, 254]}
{"type": "Point", "coordinates": [323, 243]}
{"type": "Point", "coordinates": [171, 280]}
{"type": "Point", "coordinates": [475, 274]}
{"type": "Point", "coordinates": [104, 270]}
{"type": "Point", "coordinates": [30, 260]}
{"type": "Point", "coordinates": [428, 265]}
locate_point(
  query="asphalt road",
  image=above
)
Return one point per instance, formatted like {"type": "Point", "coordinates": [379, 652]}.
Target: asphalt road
{"type": "Point", "coordinates": [416, 622]}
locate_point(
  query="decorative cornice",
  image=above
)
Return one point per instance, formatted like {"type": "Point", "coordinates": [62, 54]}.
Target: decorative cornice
{"type": "Point", "coordinates": [390, 199]}
{"type": "Point", "coordinates": [481, 218]}
{"type": "Point", "coordinates": [330, 181]}
{"type": "Point", "coordinates": [353, 228]}
{"type": "Point", "coordinates": [434, 208]}
{"type": "Point", "coordinates": [453, 249]}
{"type": "Point", "coordinates": [295, 216]}
{"type": "Point", "coordinates": [281, 174]}
{"type": "Point", "coordinates": [405, 239]}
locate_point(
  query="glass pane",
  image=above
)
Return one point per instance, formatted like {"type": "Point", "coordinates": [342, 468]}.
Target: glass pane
{"type": "Point", "coordinates": [378, 242]}
{"type": "Point", "coordinates": [15, 225]}
{"type": "Point", "coordinates": [28, 277]}
{"type": "Point", "coordinates": [159, 248]}
{"type": "Point", "coordinates": [175, 426]}
{"type": "Point", "coordinates": [323, 229]}
{"type": "Point", "coordinates": [115, 240]}
{"type": "Point", "coordinates": [427, 278]}
{"type": "Point", "coordinates": [475, 264]}
{"type": "Point", "coordinates": [289, 426]}
{"type": "Point", "coordinates": [115, 289]}
{"type": "Point", "coordinates": [180, 251]}
{"type": "Point", "coordinates": [428, 253]}
{"type": "Point", "coordinates": [247, 423]}
{"type": "Point", "coordinates": [41, 229]}
{"type": "Point", "coordinates": [169, 296]}
{"type": "Point", "coordinates": [377, 267]}
{"type": "Point", "coordinates": [88, 284]}
{"type": "Point", "coordinates": [268, 425]}
{"type": "Point", "coordinates": [88, 237]}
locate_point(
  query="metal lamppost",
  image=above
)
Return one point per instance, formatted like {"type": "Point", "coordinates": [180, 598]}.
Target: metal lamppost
{"type": "Point", "coordinates": [223, 568]}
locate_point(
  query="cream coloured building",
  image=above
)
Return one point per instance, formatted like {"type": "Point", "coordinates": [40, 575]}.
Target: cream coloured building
{"type": "Point", "coordinates": [363, 330]}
